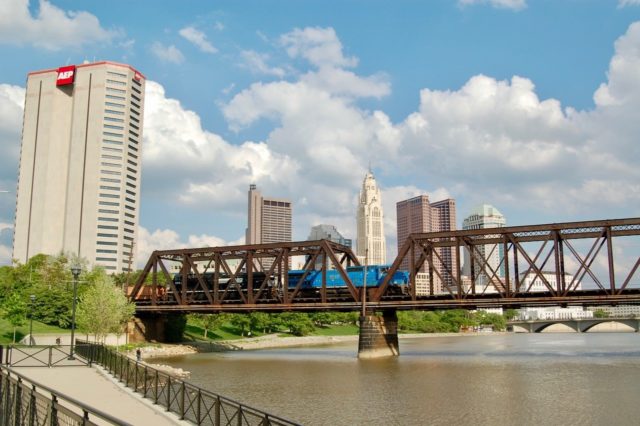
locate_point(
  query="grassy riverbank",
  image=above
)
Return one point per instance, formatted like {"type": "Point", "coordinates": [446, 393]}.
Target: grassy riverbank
{"type": "Point", "coordinates": [6, 331]}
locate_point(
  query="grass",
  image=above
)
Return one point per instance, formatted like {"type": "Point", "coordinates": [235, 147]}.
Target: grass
{"type": "Point", "coordinates": [226, 332]}
{"type": "Point", "coordinates": [195, 333]}
{"type": "Point", "coordinates": [336, 330]}
{"type": "Point", "coordinates": [6, 330]}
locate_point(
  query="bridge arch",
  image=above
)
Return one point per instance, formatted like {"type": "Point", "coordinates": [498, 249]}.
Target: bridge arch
{"type": "Point", "coordinates": [556, 327]}
{"type": "Point", "coordinates": [608, 325]}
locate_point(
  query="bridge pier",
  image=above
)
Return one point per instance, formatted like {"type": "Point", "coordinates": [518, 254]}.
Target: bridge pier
{"type": "Point", "coordinates": [378, 335]}
{"type": "Point", "coordinates": [163, 328]}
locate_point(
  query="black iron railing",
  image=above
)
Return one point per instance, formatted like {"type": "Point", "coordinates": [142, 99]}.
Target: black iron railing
{"type": "Point", "coordinates": [189, 402]}
{"type": "Point", "coordinates": [39, 356]}
{"type": "Point", "coordinates": [25, 402]}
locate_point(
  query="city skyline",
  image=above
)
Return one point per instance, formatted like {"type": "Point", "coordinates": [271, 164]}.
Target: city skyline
{"type": "Point", "coordinates": [543, 125]}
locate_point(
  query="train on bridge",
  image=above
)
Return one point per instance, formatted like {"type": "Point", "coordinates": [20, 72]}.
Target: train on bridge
{"type": "Point", "coordinates": [309, 283]}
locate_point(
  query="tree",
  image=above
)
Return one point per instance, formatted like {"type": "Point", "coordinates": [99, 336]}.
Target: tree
{"type": "Point", "coordinates": [14, 310]}
{"type": "Point", "coordinates": [259, 321]}
{"type": "Point", "coordinates": [240, 321]}
{"type": "Point", "coordinates": [322, 319]}
{"type": "Point", "coordinates": [209, 322]}
{"type": "Point", "coordinates": [103, 309]}
{"type": "Point", "coordinates": [600, 313]}
{"type": "Point", "coordinates": [299, 324]}
{"type": "Point", "coordinates": [510, 314]}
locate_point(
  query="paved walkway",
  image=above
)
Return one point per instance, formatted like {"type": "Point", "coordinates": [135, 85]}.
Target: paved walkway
{"type": "Point", "coordinates": [96, 388]}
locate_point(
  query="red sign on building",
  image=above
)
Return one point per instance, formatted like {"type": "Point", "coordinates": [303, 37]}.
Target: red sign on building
{"type": "Point", "coordinates": [66, 75]}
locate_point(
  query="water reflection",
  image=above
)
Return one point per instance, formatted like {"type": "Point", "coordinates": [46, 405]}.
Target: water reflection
{"type": "Point", "coordinates": [489, 379]}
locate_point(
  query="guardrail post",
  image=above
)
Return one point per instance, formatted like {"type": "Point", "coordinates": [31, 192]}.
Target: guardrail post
{"type": "Point", "coordinates": [168, 393]}
{"type": "Point", "coordinates": [155, 394]}
{"type": "Point", "coordinates": [135, 377]}
{"type": "Point", "coordinates": [239, 414]}
{"type": "Point", "coordinates": [53, 415]}
{"type": "Point", "coordinates": [7, 400]}
{"type": "Point", "coordinates": [18, 403]}
{"type": "Point", "coordinates": [182, 390]}
{"type": "Point", "coordinates": [32, 406]}
{"type": "Point", "coordinates": [145, 381]}
{"type": "Point", "coordinates": [198, 408]}
{"type": "Point", "coordinates": [50, 357]}
{"type": "Point", "coordinates": [217, 411]}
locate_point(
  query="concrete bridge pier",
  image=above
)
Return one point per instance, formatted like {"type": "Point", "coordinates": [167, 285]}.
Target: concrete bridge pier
{"type": "Point", "coordinates": [378, 335]}
{"type": "Point", "coordinates": [163, 328]}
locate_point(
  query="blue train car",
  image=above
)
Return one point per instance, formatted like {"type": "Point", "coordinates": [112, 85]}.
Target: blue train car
{"type": "Point", "coordinates": [375, 276]}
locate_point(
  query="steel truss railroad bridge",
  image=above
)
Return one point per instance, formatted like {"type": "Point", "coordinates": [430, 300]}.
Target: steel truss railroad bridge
{"type": "Point", "coordinates": [594, 263]}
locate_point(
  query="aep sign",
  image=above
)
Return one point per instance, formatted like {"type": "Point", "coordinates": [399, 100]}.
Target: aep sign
{"type": "Point", "coordinates": [66, 75]}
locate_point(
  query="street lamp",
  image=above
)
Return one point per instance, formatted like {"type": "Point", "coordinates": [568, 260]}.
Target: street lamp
{"type": "Point", "coordinates": [75, 271]}
{"type": "Point", "coordinates": [33, 299]}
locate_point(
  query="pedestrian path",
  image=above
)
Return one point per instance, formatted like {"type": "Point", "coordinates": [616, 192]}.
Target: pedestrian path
{"type": "Point", "coordinates": [96, 388]}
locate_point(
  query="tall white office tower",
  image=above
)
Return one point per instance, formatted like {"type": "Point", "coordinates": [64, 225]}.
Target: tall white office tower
{"type": "Point", "coordinates": [483, 217]}
{"type": "Point", "coordinates": [371, 243]}
{"type": "Point", "coordinates": [79, 179]}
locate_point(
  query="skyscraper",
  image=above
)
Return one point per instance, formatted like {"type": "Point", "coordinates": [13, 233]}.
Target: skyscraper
{"type": "Point", "coordinates": [418, 215]}
{"type": "Point", "coordinates": [371, 243]}
{"type": "Point", "coordinates": [482, 217]}
{"type": "Point", "coordinates": [79, 178]}
{"type": "Point", "coordinates": [269, 219]}
{"type": "Point", "coordinates": [327, 232]}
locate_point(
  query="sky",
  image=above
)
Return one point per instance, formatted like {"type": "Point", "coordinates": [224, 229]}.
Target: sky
{"type": "Point", "coordinates": [529, 105]}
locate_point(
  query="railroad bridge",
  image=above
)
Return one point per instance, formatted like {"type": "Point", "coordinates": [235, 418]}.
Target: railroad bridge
{"type": "Point", "coordinates": [593, 263]}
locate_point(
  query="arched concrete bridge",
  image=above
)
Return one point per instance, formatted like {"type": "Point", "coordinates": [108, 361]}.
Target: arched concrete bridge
{"type": "Point", "coordinates": [578, 325]}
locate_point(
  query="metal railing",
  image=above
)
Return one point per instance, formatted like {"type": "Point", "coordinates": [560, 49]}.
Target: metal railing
{"type": "Point", "coordinates": [188, 401]}
{"type": "Point", "coordinates": [39, 356]}
{"type": "Point", "coordinates": [26, 402]}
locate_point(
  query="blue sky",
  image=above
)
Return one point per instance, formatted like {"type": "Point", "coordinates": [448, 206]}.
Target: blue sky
{"type": "Point", "coordinates": [527, 105]}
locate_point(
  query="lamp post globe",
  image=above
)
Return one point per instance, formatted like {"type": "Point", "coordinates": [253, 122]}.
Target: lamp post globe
{"type": "Point", "coordinates": [75, 271]}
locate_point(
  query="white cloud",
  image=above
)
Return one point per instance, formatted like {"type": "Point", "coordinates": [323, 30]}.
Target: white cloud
{"type": "Point", "coordinates": [186, 162]}
{"type": "Point", "coordinates": [167, 53]}
{"type": "Point", "coordinates": [320, 46]}
{"type": "Point", "coordinates": [624, 3]}
{"type": "Point", "coordinates": [489, 141]}
{"type": "Point", "coordinates": [500, 4]}
{"type": "Point", "coordinates": [218, 26]}
{"type": "Point", "coordinates": [52, 28]}
{"type": "Point", "coordinates": [167, 239]}
{"type": "Point", "coordinates": [257, 62]}
{"type": "Point", "coordinates": [198, 38]}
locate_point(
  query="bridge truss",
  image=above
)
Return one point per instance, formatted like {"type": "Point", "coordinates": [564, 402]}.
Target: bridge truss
{"type": "Point", "coordinates": [582, 263]}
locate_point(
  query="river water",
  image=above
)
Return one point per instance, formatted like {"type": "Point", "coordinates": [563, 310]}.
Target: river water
{"type": "Point", "coordinates": [502, 379]}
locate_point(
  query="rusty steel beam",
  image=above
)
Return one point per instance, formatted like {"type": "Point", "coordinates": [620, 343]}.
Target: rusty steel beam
{"type": "Point", "coordinates": [235, 278]}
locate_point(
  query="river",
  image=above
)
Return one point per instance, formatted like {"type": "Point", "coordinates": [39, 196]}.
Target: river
{"type": "Point", "coordinates": [501, 379]}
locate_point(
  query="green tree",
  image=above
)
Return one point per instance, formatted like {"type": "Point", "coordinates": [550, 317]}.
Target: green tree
{"type": "Point", "coordinates": [209, 322]}
{"type": "Point", "coordinates": [299, 324]}
{"type": "Point", "coordinates": [241, 322]}
{"type": "Point", "coordinates": [510, 314]}
{"type": "Point", "coordinates": [14, 310]}
{"type": "Point", "coordinates": [103, 309]}
{"type": "Point", "coordinates": [323, 319]}
{"type": "Point", "coordinates": [600, 313]}
{"type": "Point", "coordinates": [259, 321]}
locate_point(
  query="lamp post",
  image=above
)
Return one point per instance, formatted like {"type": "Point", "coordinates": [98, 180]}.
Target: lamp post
{"type": "Point", "coordinates": [75, 271]}
{"type": "Point", "coordinates": [33, 299]}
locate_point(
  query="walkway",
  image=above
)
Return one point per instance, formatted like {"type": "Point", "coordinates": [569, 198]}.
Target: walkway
{"type": "Point", "coordinates": [96, 388]}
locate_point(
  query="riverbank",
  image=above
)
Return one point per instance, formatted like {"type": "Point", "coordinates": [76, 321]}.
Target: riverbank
{"type": "Point", "coordinates": [272, 341]}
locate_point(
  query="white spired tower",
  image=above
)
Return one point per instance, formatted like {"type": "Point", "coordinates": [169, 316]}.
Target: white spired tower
{"type": "Point", "coordinates": [371, 242]}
